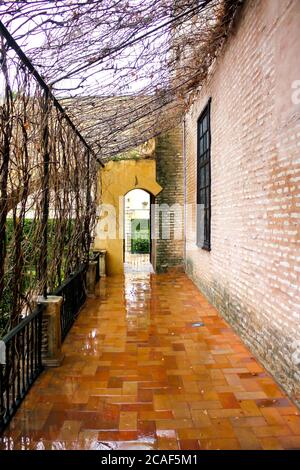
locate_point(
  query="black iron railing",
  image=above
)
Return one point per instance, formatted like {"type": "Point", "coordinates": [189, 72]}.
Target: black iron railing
{"type": "Point", "coordinates": [96, 257]}
{"type": "Point", "coordinates": [23, 344]}
{"type": "Point", "coordinates": [73, 292]}
{"type": "Point", "coordinates": [23, 363]}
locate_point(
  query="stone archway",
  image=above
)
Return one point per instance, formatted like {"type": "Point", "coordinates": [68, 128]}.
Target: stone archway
{"type": "Point", "coordinates": [115, 181]}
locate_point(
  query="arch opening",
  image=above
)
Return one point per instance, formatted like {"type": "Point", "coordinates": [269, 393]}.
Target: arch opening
{"type": "Point", "coordinates": [137, 242]}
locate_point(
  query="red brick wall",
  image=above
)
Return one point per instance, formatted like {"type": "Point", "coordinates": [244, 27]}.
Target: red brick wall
{"type": "Point", "coordinates": [252, 273]}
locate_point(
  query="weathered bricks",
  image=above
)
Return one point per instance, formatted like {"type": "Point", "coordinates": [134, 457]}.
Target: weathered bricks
{"type": "Point", "coordinates": [252, 271]}
{"type": "Point", "coordinates": [169, 174]}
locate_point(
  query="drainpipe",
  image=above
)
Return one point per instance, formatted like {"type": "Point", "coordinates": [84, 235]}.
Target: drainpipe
{"type": "Point", "coordinates": [184, 192]}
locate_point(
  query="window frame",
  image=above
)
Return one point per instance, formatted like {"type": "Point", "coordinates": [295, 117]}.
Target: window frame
{"type": "Point", "coordinates": [205, 242]}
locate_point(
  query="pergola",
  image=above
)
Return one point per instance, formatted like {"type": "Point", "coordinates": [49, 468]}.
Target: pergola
{"type": "Point", "coordinates": [84, 81]}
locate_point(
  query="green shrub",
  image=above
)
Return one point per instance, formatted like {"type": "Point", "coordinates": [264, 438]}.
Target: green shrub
{"type": "Point", "coordinates": [140, 246]}
{"type": "Point", "coordinates": [31, 261]}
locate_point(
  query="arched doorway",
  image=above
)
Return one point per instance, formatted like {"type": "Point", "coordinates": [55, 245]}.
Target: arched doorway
{"type": "Point", "coordinates": [137, 244]}
{"type": "Point", "coordinates": [116, 180]}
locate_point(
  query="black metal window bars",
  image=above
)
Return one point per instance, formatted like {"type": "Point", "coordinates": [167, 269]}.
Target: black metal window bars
{"type": "Point", "coordinates": [204, 179]}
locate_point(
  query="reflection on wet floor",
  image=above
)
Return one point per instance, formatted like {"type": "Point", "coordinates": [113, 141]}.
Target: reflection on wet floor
{"type": "Point", "coordinates": [149, 364]}
{"type": "Point", "coordinates": [137, 263]}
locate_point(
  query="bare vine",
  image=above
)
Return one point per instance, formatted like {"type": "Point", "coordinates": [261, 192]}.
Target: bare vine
{"type": "Point", "coordinates": [125, 71]}
{"type": "Point", "coordinates": [48, 190]}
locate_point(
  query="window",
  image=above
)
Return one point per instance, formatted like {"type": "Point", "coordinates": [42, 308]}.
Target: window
{"type": "Point", "coordinates": [203, 179]}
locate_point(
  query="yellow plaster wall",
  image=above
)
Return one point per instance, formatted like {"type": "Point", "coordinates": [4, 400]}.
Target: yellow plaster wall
{"type": "Point", "coordinates": [115, 180]}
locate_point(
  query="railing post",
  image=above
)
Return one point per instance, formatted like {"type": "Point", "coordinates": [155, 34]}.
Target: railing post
{"type": "Point", "coordinates": [52, 355]}
{"type": "Point", "coordinates": [102, 263]}
{"type": "Point", "coordinates": [91, 278]}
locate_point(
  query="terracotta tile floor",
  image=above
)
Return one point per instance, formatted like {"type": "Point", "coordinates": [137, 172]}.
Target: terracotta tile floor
{"type": "Point", "coordinates": [138, 374]}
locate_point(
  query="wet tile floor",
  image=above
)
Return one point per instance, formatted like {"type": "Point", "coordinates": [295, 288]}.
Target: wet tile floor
{"type": "Point", "coordinates": [139, 374]}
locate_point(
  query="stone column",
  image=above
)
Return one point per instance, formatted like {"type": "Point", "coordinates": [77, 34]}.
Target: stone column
{"type": "Point", "coordinates": [52, 355]}
{"type": "Point", "coordinates": [91, 278]}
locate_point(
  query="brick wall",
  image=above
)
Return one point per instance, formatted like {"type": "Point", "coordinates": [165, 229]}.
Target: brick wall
{"type": "Point", "coordinates": [169, 174]}
{"type": "Point", "coordinates": [252, 272]}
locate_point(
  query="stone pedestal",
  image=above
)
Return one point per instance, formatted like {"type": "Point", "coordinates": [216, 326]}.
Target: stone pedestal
{"type": "Point", "coordinates": [91, 278]}
{"type": "Point", "coordinates": [102, 261]}
{"type": "Point", "coordinates": [51, 340]}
